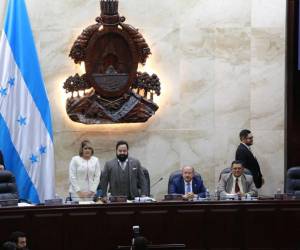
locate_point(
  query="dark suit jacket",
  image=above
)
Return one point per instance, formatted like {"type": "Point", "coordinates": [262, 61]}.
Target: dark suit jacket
{"type": "Point", "coordinates": [244, 155]}
{"type": "Point", "coordinates": [136, 178]}
{"type": "Point", "coordinates": [1, 159]}
{"type": "Point", "coordinates": [177, 186]}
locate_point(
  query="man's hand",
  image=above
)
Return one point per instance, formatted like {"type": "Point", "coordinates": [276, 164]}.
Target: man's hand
{"type": "Point", "coordinates": [84, 194]}
{"type": "Point", "coordinates": [188, 196]}
{"type": "Point", "coordinates": [1, 167]}
{"type": "Point", "coordinates": [104, 199]}
{"type": "Point", "coordinates": [91, 194]}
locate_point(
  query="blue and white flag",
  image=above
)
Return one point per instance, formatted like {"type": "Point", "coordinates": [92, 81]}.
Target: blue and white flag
{"type": "Point", "coordinates": [26, 138]}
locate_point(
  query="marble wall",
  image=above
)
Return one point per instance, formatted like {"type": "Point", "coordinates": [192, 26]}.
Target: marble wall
{"type": "Point", "coordinates": [221, 64]}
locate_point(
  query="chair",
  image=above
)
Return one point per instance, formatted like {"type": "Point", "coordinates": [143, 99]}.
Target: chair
{"type": "Point", "coordinates": [147, 177]}
{"type": "Point", "coordinates": [228, 170]}
{"type": "Point", "coordinates": [293, 180]}
{"type": "Point", "coordinates": [175, 174]}
{"type": "Point", "coordinates": [8, 187]}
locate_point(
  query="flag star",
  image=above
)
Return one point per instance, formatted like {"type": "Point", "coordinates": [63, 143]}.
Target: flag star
{"type": "Point", "coordinates": [3, 91]}
{"type": "Point", "coordinates": [33, 158]}
{"type": "Point", "coordinates": [11, 82]}
{"type": "Point", "coordinates": [22, 121]}
{"type": "Point", "coordinates": [42, 149]}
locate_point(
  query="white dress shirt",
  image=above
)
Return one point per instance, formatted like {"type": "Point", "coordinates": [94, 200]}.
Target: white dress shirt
{"type": "Point", "coordinates": [123, 164]}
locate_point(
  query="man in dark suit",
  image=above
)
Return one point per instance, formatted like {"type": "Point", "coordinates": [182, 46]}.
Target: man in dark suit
{"type": "Point", "coordinates": [1, 161]}
{"type": "Point", "coordinates": [245, 155]}
{"type": "Point", "coordinates": [187, 184]}
{"type": "Point", "coordinates": [124, 175]}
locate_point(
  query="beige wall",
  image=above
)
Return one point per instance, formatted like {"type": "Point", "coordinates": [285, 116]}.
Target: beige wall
{"type": "Point", "coordinates": [221, 64]}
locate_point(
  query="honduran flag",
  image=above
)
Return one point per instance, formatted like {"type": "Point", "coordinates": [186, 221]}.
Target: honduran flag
{"type": "Point", "coordinates": [26, 138]}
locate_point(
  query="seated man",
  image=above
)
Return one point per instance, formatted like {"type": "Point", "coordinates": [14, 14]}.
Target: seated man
{"type": "Point", "coordinates": [20, 239]}
{"type": "Point", "coordinates": [236, 182]}
{"type": "Point", "coordinates": [187, 184]}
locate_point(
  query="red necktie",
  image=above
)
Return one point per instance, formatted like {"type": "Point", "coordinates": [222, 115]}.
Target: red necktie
{"type": "Point", "coordinates": [237, 188]}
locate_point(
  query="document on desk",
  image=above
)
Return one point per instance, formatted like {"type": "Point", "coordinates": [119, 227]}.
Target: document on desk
{"type": "Point", "coordinates": [24, 204]}
{"type": "Point", "coordinates": [144, 199]}
{"type": "Point", "coordinates": [86, 202]}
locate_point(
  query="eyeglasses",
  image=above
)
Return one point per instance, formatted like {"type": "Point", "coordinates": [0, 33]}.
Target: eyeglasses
{"type": "Point", "coordinates": [249, 138]}
{"type": "Point", "coordinates": [87, 148]}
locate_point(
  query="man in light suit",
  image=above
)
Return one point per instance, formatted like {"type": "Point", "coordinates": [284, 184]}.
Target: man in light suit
{"type": "Point", "coordinates": [187, 184]}
{"type": "Point", "coordinates": [123, 174]}
{"type": "Point", "coordinates": [245, 155]}
{"type": "Point", "coordinates": [236, 182]}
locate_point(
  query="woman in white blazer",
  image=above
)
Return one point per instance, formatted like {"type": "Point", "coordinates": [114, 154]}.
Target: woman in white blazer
{"type": "Point", "coordinates": [84, 173]}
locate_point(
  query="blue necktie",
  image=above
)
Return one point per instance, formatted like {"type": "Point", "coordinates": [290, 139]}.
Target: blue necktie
{"type": "Point", "coordinates": [188, 187]}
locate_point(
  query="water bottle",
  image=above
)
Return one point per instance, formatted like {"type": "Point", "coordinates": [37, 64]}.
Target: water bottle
{"type": "Point", "coordinates": [217, 195]}
{"type": "Point", "coordinates": [108, 197]}
{"type": "Point", "coordinates": [207, 194]}
{"type": "Point", "coordinates": [278, 194]}
{"type": "Point", "coordinates": [248, 197]}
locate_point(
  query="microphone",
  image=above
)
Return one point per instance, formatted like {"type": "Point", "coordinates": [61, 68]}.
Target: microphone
{"type": "Point", "coordinates": [158, 181]}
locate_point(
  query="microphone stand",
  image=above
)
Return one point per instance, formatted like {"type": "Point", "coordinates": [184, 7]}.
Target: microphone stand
{"type": "Point", "coordinates": [158, 181]}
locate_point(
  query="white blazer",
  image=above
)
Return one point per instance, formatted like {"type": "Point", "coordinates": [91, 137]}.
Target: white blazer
{"type": "Point", "coordinates": [84, 175]}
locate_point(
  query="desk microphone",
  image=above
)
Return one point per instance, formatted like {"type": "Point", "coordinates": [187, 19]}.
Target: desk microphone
{"type": "Point", "coordinates": [159, 180]}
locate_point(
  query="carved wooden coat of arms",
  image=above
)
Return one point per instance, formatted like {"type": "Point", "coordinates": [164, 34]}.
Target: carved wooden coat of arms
{"type": "Point", "coordinates": [113, 91]}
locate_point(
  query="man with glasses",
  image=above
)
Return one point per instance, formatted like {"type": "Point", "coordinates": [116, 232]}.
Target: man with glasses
{"type": "Point", "coordinates": [188, 184]}
{"type": "Point", "coordinates": [246, 156]}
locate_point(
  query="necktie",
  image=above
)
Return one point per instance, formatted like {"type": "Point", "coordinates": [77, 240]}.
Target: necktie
{"type": "Point", "coordinates": [237, 188]}
{"type": "Point", "coordinates": [188, 187]}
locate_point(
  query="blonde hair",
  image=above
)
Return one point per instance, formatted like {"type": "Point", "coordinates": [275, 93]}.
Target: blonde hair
{"type": "Point", "coordinates": [84, 144]}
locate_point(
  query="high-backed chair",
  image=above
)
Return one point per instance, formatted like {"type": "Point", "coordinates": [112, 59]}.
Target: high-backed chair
{"type": "Point", "coordinates": [147, 177]}
{"type": "Point", "coordinates": [175, 174]}
{"type": "Point", "coordinates": [8, 187]}
{"type": "Point", "coordinates": [293, 180]}
{"type": "Point", "coordinates": [228, 170]}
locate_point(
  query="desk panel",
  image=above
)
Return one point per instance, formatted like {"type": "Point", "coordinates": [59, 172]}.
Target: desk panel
{"type": "Point", "coordinates": [48, 227]}
{"type": "Point", "coordinates": [205, 225]}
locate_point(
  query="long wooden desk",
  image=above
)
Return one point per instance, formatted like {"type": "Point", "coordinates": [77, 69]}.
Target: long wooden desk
{"type": "Point", "coordinates": [204, 225]}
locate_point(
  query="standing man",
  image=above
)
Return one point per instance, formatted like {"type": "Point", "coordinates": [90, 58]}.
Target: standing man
{"type": "Point", "coordinates": [245, 155]}
{"type": "Point", "coordinates": [123, 174]}
{"type": "Point", "coordinates": [236, 182]}
{"type": "Point", "coordinates": [187, 184]}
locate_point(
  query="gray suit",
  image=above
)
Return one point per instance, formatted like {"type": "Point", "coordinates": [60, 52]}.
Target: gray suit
{"type": "Point", "coordinates": [226, 183]}
{"type": "Point", "coordinates": [132, 179]}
